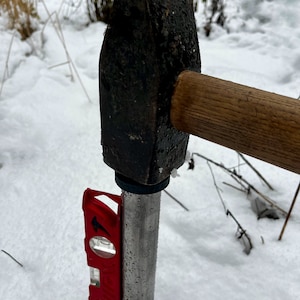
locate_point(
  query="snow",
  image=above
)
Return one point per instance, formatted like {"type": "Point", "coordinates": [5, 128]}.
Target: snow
{"type": "Point", "coordinates": [50, 152]}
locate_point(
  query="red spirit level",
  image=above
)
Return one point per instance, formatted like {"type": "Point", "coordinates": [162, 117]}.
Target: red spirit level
{"type": "Point", "coordinates": [102, 213]}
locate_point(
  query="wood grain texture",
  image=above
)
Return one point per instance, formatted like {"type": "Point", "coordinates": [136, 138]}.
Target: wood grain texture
{"type": "Point", "coordinates": [258, 123]}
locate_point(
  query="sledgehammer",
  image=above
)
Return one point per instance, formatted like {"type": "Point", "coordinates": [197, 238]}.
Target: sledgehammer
{"type": "Point", "coordinates": [147, 47]}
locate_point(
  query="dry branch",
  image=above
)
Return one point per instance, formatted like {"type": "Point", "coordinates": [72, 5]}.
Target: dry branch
{"type": "Point", "coordinates": [238, 178]}
{"type": "Point", "coordinates": [12, 258]}
{"type": "Point", "coordinates": [177, 201]}
{"type": "Point", "coordinates": [217, 188]}
{"type": "Point", "coordinates": [255, 170]}
{"type": "Point", "coordinates": [241, 232]}
{"type": "Point", "coordinates": [234, 187]}
{"type": "Point", "coordinates": [289, 213]}
{"type": "Point", "coordinates": [5, 72]}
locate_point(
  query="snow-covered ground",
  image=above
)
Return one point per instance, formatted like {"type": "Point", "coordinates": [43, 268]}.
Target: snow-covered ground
{"type": "Point", "coordinates": [50, 152]}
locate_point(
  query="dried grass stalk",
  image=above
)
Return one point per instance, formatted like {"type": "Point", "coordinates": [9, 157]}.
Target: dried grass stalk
{"type": "Point", "coordinates": [22, 15]}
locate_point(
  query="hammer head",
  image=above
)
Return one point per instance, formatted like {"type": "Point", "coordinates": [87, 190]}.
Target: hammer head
{"type": "Point", "coordinates": [146, 46]}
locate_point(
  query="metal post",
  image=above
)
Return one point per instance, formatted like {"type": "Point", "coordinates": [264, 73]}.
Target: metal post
{"type": "Point", "coordinates": [140, 238]}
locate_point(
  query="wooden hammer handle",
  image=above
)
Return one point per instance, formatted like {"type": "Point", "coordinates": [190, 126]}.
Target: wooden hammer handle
{"type": "Point", "coordinates": [258, 123]}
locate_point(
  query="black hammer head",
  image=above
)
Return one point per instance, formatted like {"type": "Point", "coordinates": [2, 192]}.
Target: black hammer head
{"type": "Point", "coordinates": [146, 46]}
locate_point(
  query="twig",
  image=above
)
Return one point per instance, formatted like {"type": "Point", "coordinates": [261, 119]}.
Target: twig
{"type": "Point", "coordinates": [255, 171]}
{"type": "Point", "coordinates": [267, 199]}
{"type": "Point", "coordinates": [71, 62]}
{"type": "Point", "coordinates": [235, 187]}
{"type": "Point", "coordinates": [217, 188]}
{"type": "Point", "coordinates": [242, 235]}
{"type": "Point", "coordinates": [5, 72]}
{"type": "Point", "coordinates": [58, 65]}
{"type": "Point", "coordinates": [63, 41]}
{"type": "Point", "coordinates": [61, 5]}
{"type": "Point", "coordinates": [239, 170]}
{"type": "Point", "coordinates": [12, 258]}
{"type": "Point", "coordinates": [237, 166]}
{"type": "Point", "coordinates": [229, 213]}
{"type": "Point", "coordinates": [176, 200]}
{"type": "Point", "coordinates": [289, 213]}
{"type": "Point", "coordinates": [247, 189]}
{"type": "Point", "coordinates": [60, 35]}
